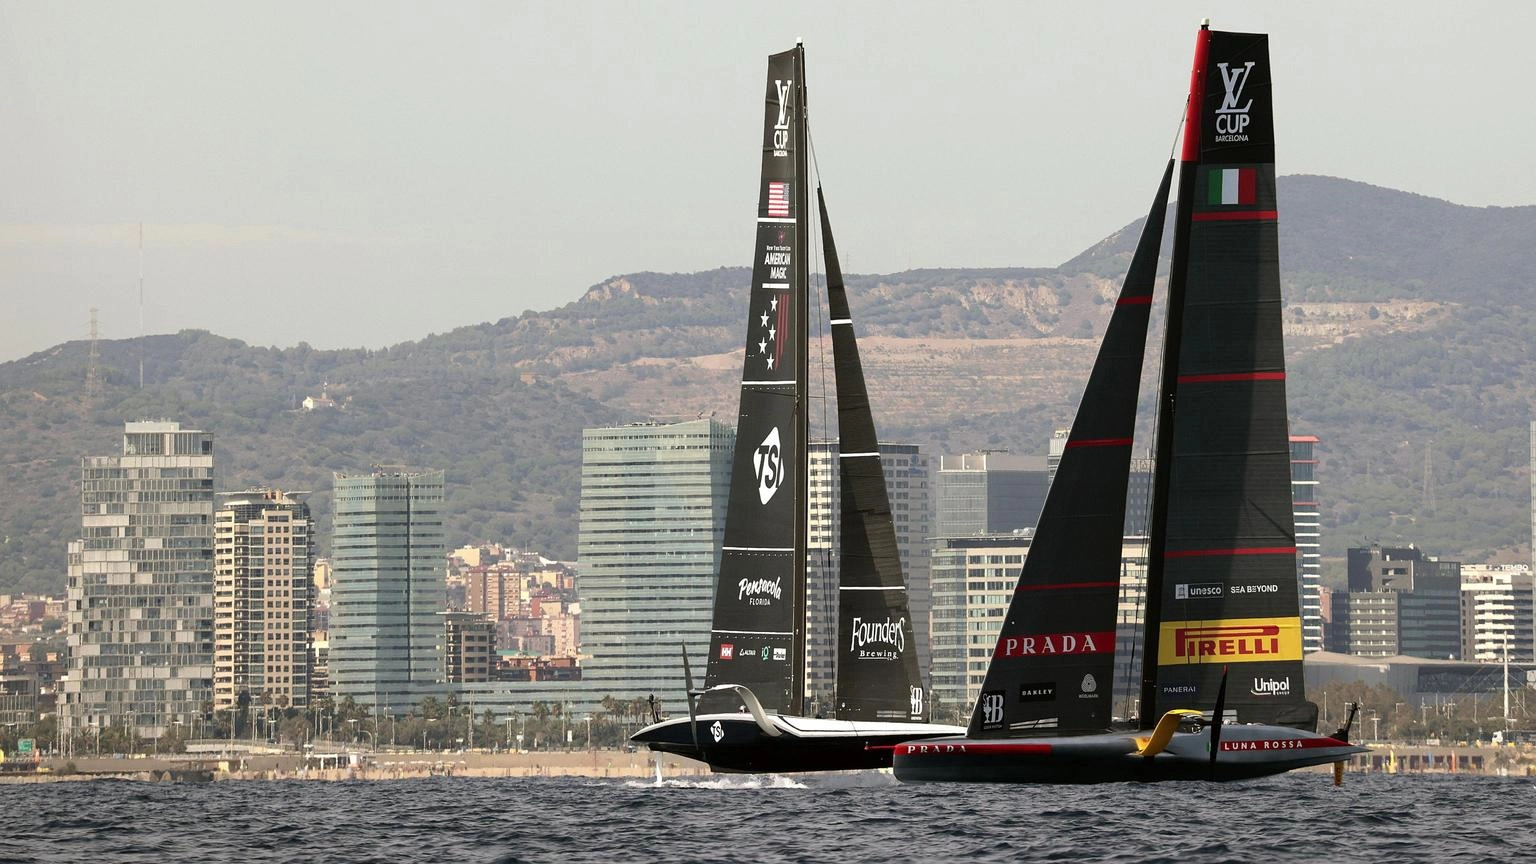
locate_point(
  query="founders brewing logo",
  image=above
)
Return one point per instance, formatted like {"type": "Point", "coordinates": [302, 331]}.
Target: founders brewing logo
{"type": "Point", "coordinates": [781, 127]}
{"type": "Point", "coordinates": [1232, 118]}
{"type": "Point", "coordinates": [878, 640]}
{"type": "Point", "coordinates": [992, 709]}
{"type": "Point", "coordinates": [769, 461]}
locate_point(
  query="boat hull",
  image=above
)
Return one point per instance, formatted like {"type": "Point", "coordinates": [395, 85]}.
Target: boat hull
{"type": "Point", "coordinates": [736, 743]}
{"type": "Point", "coordinates": [1247, 751]}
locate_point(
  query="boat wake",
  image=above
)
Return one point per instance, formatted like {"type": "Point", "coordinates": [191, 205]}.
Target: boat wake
{"type": "Point", "coordinates": [728, 782]}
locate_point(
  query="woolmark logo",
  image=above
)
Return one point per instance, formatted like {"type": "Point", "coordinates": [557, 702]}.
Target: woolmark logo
{"type": "Point", "coordinates": [769, 461]}
{"type": "Point", "coordinates": [892, 633]}
{"type": "Point", "coordinates": [1271, 686]}
{"type": "Point", "coordinates": [781, 128]}
{"type": "Point", "coordinates": [1089, 684]}
{"type": "Point", "coordinates": [1231, 118]}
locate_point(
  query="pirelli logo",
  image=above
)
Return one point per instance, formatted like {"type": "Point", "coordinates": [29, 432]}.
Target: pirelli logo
{"type": "Point", "coordinates": [1232, 640]}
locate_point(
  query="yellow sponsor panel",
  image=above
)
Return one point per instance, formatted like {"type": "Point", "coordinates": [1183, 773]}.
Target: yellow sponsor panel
{"type": "Point", "coordinates": [1229, 640]}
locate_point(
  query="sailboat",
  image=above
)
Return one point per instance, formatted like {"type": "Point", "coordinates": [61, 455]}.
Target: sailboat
{"type": "Point", "coordinates": [750, 714]}
{"type": "Point", "coordinates": [1221, 583]}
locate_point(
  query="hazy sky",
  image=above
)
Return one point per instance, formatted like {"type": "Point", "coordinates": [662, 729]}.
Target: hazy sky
{"type": "Point", "coordinates": [353, 174]}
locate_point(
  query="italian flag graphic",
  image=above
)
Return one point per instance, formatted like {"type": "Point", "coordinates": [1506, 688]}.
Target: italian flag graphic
{"type": "Point", "coordinates": [1232, 186]}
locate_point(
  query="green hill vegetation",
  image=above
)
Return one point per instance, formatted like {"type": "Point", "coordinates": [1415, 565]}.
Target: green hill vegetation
{"type": "Point", "coordinates": [1411, 359]}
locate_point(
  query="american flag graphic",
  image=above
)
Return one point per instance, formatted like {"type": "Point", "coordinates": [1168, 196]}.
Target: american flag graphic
{"type": "Point", "coordinates": [778, 200]}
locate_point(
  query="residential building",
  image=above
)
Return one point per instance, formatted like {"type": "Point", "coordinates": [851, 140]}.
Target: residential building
{"type": "Point", "coordinates": [653, 501]}
{"type": "Point", "coordinates": [906, 482]}
{"type": "Point", "coordinates": [386, 643]}
{"type": "Point", "coordinates": [140, 638]}
{"type": "Point", "coordinates": [263, 590]}
{"type": "Point", "coordinates": [1309, 549]}
{"type": "Point", "coordinates": [1400, 601]}
{"type": "Point", "coordinates": [470, 647]}
{"type": "Point", "coordinates": [1497, 613]}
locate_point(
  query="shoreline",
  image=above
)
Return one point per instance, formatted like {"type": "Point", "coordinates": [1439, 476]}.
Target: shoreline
{"type": "Point", "coordinates": [1384, 758]}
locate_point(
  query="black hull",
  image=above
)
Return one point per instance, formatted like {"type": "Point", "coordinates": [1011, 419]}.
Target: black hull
{"type": "Point", "coordinates": [803, 745]}
{"type": "Point", "coordinates": [1248, 752]}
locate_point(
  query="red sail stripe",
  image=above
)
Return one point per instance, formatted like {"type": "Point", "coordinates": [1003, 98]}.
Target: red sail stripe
{"type": "Point", "coordinates": [1135, 301]}
{"type": "Point", "coordinates": [1229, 377]}
{"type": "Point", "coordinates": [923, 748]}
{"type": "Point", "coordinates": [1067, 586]}
{"type": "Point", "coordinates": [1212, 553]}
{"type": "Point", "coordinates": [1099, 442]}
{"type": "Point", "coordinates": [1236, 216]}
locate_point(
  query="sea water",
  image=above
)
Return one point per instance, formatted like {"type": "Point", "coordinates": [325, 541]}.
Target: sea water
{"type": "Point", "coordinates": [843, 818]}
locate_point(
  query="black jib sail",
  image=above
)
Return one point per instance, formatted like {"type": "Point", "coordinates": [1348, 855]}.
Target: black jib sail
{"type": "Point", "coordinates": [759, 595]}
{"type": "Point", "coordinates": [1222, 587]}
{"type": "Point", "coordinates": [877, 675]}
{"type": "Point", "coordinates": [1052, 668]}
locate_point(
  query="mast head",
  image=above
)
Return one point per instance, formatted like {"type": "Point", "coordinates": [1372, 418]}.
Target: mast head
{"type": "Point", "coordinates": [799, 41]}
{"type": "Point", "coordinates": [1205, 23]}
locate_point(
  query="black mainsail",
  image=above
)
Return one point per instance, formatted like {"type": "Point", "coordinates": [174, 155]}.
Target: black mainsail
{"type": "Point", "coordinates": [759, 613]}
{"type": "Point", "coordinates": [1052, 668]}
{"type": "Point", "coordinates": [877, 674]}
{"type": "Point", "coordinates": [1221, 574]}
{"type": "Point", "coordinates": [1222, 586]}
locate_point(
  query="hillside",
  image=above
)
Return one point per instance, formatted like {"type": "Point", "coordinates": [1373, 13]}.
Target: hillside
{"type": "Point", "coordinates": [1404, 329]}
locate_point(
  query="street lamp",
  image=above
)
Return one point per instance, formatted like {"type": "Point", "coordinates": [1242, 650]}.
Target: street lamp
{"type": "Point", "coordinates": [424, 727]}
{"type": "Point", "coordinates": [589, 731]}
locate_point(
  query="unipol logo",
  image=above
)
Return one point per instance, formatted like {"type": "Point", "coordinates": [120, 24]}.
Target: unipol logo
{"type": "Point", "coordinates": [769, 460]}
{"type": "Point", "coordinates": [716, 731]}
{"type": "Point", "coordinates": [781, 128]}
{"type": "Point", "coordinates": [992, 709]}
{"type": "Point", "coordinates": [1271, 686]}
{"type": "Point", "coordinates": [1232, 118]}
{"type": "Point", "coordinates": [917, 701]}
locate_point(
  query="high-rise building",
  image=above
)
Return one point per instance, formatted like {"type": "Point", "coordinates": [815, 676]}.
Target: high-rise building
{"type": "Point", "coordinates": [974, 580]}
{"type": "Point", "coordinates": [470, 647]}
{"type": "Point", "coordinates": [140, 640]}
{"type": "Point", "coordinates": [906, 482]}
{"type": "Point", "coordinates": [1400, 601]}
{"type": "Point", "coordinates": [989, 492]}
{"type": "Point", "coordinates": [653, 500]}
{"type": "Point", "coordinates": [1309, 548]}
{"type": "Point", "coordinates": [387, 560]}
{"type": "Point", "coordinates": [1498, 605]}
{"type": "Point", "coordinates": [263, 591]}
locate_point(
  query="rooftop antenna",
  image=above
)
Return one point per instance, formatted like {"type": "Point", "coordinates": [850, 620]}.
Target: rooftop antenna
{"type": "Point", "coordinates": [141, 305]}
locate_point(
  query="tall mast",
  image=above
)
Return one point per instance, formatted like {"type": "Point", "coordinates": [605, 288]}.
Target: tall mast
{"type": "Point", "coordinates": [802, 426]}
{"type": "Point", "coordinates": [1167, 391]}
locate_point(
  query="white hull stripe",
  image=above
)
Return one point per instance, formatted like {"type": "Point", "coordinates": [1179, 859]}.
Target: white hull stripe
{"type": "Point", "coordinates": [757, 548]}
{"type": "Point", "coordinates": [837, 321]}
{"type": "Point", "coordinates": [855, 455]}
{"type": "Point", "coordinates": [871, 587]}
{"type": "Point", "coordinates": [768, 383]}
{"type": "Point", "coordinates": [755, 632]}
{"type": "Point", "coordinates": [776, 220]}
{"type": "Point", "coordinates": [777, 286]}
